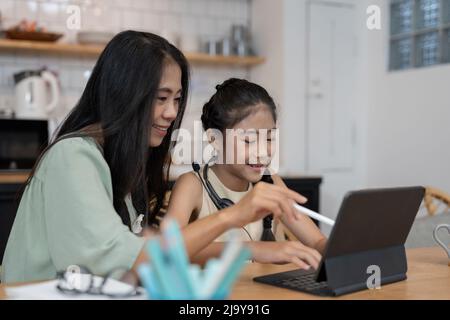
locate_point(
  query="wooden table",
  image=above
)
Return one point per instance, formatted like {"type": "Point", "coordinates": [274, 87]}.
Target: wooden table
{"type": "Point", "coordinates": [428, 278]}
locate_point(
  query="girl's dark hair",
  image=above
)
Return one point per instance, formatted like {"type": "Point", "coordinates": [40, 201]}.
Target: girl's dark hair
{"type": "Point", "coordinates": [234, 101]}
{"type": "Point", "coordinates": [119, 96]}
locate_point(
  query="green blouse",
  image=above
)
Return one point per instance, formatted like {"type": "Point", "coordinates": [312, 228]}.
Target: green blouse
{"type": "Point", "coordinates": [66, 217]}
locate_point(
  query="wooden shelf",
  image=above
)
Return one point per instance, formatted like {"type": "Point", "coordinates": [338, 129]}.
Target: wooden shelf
{"type": "Point", "coordinates": [49, 47]}
{"type": "Point", "coordinates": [67, 49]}
{"type": "Point", "coordinates": [203, 58]}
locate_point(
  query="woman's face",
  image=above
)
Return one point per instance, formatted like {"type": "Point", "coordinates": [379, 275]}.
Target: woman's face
{"type": "Point", "coordinates": [253, 149]}
{"type": "Point", "coordinates": [165, 107]}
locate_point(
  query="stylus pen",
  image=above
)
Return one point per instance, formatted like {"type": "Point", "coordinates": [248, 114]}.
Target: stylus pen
{"type": "Point", "coordinates": [314, 215]}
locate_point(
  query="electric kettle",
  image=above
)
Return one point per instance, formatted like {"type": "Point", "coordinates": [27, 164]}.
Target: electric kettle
{"type": "Point", "coordinates": [37, 94]}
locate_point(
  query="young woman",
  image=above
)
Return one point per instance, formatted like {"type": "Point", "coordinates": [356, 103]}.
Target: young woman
{"type": "Point", "coordinates": [90, 188]}
{"type": "Point", "coordinates": [247, 108]}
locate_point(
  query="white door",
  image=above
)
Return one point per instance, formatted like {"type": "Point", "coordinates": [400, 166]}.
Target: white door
{"type": "Point", "coordinates": [331, 75]}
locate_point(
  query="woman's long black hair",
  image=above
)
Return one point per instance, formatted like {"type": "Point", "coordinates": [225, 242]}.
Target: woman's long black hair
{"type": "Point", "coordinates": [119, 96]}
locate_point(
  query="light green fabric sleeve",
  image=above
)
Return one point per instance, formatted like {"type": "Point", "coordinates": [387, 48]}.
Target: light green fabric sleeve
{"type": "Point", "coordinates": [82, 225]}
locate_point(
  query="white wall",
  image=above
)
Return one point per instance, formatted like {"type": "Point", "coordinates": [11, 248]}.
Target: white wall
{"type": "Point", "coordinates": [403, 129]}
{"type": "Point", "coordinates": [409, 113]}
{"type": "Point", "coordinates": [269, 41]}
{"type": "Point", "coordinates": [278, 28]}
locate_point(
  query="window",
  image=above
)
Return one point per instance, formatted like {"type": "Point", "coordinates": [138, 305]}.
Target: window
{"type": "Point", "coordinates": [420, 33]}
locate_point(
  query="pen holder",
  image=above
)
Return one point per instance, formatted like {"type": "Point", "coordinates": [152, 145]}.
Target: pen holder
{"type": "Point", "coordinates": [169, 276]}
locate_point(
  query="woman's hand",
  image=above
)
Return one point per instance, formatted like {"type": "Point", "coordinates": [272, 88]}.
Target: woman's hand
{"type": "Point", "coordinates": [262, 200]}
{"type": "Point", "coordinates": [285, 252]}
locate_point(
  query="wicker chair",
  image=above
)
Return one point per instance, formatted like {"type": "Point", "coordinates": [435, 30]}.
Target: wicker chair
{"type": "Point", "coordinates": [437, 204]}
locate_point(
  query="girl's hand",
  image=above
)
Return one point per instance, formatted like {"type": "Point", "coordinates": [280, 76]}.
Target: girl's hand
{"type": "Point", "coordinates": [262, 200]}
{"type": "Point", "coordinates": [285, 252]}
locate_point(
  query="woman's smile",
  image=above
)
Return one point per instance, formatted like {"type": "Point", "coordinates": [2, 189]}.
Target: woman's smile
{"type": "Point", "coordinates": [160, 130]}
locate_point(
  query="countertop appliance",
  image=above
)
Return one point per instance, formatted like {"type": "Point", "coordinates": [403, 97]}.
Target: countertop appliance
{"type": "Point", "coordinates": [37, 94]}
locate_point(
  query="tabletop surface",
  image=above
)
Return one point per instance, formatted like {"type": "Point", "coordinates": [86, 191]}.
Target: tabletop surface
{"type": "Point", "coordinates": [428, 278]}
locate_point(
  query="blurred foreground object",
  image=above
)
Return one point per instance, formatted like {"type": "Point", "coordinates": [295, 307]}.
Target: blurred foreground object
{"type": "Point", "coordinates": [170, 276]}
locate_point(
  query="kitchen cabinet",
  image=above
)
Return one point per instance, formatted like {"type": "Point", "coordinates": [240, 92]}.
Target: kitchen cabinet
{"type": "Point", "coordinates": [9, 193]}
{"type": "Point", "coordinates": [308, 187]}
{"type": "Point", "coordinates": [11, 183]}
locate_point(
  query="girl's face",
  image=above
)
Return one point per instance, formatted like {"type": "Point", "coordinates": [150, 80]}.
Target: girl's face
{"type": "Point", "coordinates": [165, 107]}
{"type": "Point", "coordinates": [253, 147]}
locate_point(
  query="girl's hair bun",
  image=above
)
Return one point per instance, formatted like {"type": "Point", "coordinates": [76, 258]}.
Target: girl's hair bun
{"type": "Point", "coordinates": [232, 102]}
{"type": "Point", "coordinates": [228, 83]}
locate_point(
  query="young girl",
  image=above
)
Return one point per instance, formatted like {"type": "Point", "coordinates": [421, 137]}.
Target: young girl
{"type": "Point", "coordinates": [247, 108]}
{"type": "Point", "coordinates": [85, 198]}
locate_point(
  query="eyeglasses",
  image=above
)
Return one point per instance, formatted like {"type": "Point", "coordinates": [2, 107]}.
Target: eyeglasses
{"type": "Point", "coordinates": [80, 280]}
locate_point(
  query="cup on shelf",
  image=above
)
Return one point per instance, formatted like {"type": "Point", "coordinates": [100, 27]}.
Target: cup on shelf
{"type": "Point", "coordinates": [224, 47]}
{"type": "Point", "coordinates": [241, 42]}
{"type": "Point", "coordinates": [242, 48]}
{"type": "Point", "coordinates": [209, 45]}
{"type": "Point", "coordinates": [239, 32]}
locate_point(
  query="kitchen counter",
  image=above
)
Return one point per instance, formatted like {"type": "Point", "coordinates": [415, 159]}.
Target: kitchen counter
{"type": "Point", "coordinates": [13, 176]}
